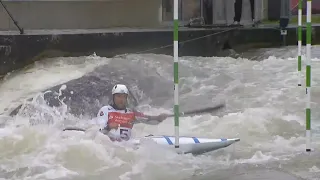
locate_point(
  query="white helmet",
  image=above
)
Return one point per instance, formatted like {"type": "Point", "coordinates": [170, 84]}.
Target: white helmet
{"type": "Point", "coordinates": [120, 88]}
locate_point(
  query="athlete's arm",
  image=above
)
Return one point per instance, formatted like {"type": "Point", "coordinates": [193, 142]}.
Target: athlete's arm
{"type": "Point", "coordinates": [102, 119]}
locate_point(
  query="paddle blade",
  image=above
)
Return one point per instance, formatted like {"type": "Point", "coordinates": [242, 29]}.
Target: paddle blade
{"type": "Point", "coordinates": [201, 111]}
{"type": "Point", "coordinates": [74, 129]}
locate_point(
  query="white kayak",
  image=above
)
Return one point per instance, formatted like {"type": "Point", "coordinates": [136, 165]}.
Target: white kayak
{"type": "Point", "coordinates": [191, 144]}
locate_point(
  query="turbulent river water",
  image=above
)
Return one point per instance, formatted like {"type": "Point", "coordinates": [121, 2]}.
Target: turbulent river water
{"type": "Point", "coordinates": [264, 107]}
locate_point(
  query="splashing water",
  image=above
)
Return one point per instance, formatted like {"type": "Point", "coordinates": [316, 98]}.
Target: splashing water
{"type": "Point", "coordinates": [265, 108]}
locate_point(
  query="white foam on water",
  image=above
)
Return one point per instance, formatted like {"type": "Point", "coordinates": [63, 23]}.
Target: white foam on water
{"type": "Point", "coordinates": [265, 108]}
{"type": "Point", "coordinates": [257, 158]}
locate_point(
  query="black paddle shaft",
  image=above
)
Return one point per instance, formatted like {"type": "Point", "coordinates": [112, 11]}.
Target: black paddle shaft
{"type": "Point", "coordinates": [198, 111]}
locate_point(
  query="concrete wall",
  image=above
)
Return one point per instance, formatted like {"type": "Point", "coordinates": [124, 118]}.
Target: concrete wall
{"type": "Point", "coordinates": [223, 10]}
{"type": "Point", "coordinates": [17, 51]}
{"type": "Point", "coordinates": [98, 14]}
{"type": "Point", "coordinates": [81, 14]}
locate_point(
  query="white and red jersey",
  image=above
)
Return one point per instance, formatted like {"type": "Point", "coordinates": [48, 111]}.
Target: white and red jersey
{"type": "Point", "coordinates": [124, 119]}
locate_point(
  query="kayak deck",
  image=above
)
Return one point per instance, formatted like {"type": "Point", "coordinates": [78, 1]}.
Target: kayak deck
{"type": "Point", "coordinates": [192, 145]}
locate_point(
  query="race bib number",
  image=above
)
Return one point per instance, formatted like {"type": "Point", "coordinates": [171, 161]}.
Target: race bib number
{"type": "Point", "coordinates": [124, 134]}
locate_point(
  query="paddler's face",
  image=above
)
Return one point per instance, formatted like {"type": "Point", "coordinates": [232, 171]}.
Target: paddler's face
{"type": "Point", "coordinates": [120, 100]}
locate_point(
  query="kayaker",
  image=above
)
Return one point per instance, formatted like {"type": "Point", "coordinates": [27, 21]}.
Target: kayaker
{"type": "Point", "coordinates": [116, 120]}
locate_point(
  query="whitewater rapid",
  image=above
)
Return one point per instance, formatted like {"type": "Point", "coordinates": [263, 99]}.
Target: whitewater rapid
{"type": "Point", "coordinates": [265, 108]}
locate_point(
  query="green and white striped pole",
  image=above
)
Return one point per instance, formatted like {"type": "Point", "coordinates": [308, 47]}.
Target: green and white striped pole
{"type": "Point", "coordinates": [175, 70]}
{"type": "Point", "coordinates": [299, 41]}
{"type": "Point", "coordinates": [308, 77]}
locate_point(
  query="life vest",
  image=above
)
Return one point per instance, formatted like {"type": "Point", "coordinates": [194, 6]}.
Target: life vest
{"type": "Point", "coordinates": [120, 122]}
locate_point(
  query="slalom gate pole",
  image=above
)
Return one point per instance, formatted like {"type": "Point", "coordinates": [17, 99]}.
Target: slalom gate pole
{"type": "Point", "coordinates": [175, 70]}
{"type": "Point", "coordinates": [308, 77]}
{"type": "Point", "coordinates": [299, 41]}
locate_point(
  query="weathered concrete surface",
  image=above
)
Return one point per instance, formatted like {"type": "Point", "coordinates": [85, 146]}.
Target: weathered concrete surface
{"type": "Point", "coordinates": [93, 14]}
{"type": "Point", "coordinates": [17, 51]}
{"type": "Point", "coordinates": [81, 14]}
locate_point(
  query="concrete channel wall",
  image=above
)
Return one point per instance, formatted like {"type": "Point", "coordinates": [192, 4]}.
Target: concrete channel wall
{"type": "Point", "coordinates": [98, 14]}
{"type": "Point", "coordinates": [82, 27]}
{"type": "Point", "coordinates": [81, 14]}
{"type": "Point", "coordinates": [17, 51]}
